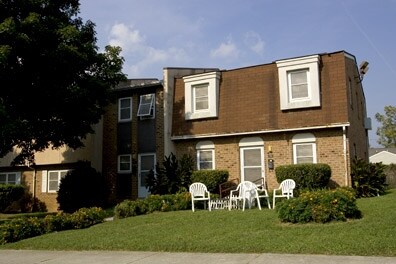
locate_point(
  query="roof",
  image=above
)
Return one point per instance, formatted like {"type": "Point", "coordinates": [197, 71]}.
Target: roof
{"type": "Point", "coordinates": [137, 83]}
{"type": "Point", "coordinates": [373, 151]}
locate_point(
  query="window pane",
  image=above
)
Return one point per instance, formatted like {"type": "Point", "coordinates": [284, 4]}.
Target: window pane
{"type": "Point", "coordinates": [125, 163]}
{"type": "Point", "coordinates": [3, 178]}
{"type": "Point", "coordinates": [125, 103]}
{"type": "Point", "coordinates": [53, 176]}
{"type": "Point", "coordinates": [299, 84]}
{"type": "Point", "coordinates": [12, 178]}
{"type": "Point", "coordinates": [304, 160]}
{"type": "Point", "coordinates": [252, 157]}
{"type": "Point", "coordinates": [205, 160]}
{"type": "Point", "coordinates": [144, 109]}
{"type": "Point", "coordinates": [201, 97]}
{"type": "Point", "coordinates": [146, 99]}
{"type": "Point", "coordinates": [304, 150]}
{"type": "Point", "coordinates": [252, 174]}
{"type": "Point", "coordinates": [143, 176]}
{"type": "Point", "coordinates": [201, 104]}
{"type": "Point", "coordinates": [125, 114]}
{"type": "Point", "coordinates": [299, 91]}
{"type": "Point", "coordinates": [53, 186]}
{"type": "Point", "coordinates": [146, 163]}
{"type": "Point", "coordinates": [298, 77]}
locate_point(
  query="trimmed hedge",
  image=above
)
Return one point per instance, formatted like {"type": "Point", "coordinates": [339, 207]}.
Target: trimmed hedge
{"type": "Point", "coordinates": [10, 193]}
{"type": "Point", "coordinates": [211, 178]}
{"type": "Point", "coordinates": [161, 203]}
{"type": "Point", "coordinates": [26, 227]}
{"type": "Point", "coordinates": [306, 176]}
{"type": "Point", "coordinates": [320, 206]}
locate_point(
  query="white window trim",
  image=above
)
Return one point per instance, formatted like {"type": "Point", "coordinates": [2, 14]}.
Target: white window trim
{"type": "Point", "coordinates": [151, 114]}
{"type": "Point", "coordinates": [304, 139]}
{"type": "Point", "coordinates": [119, 163]}
{"type": "Point", "coordinates": [17, 177]}
{"type": "Point", "coordinates": [213, 80]}
{"type": "Point", "coordinates": [119, 110]}
{"type": "Point", "coordinates": [48, 180]}
{"type": "Point", "coordinates": [206, 145]}
{"type": "Point", "coordinates": [285, 67]}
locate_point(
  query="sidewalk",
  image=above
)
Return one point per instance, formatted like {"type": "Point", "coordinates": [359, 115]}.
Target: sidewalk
{"type": "Point", "coordinates": [126, 257]}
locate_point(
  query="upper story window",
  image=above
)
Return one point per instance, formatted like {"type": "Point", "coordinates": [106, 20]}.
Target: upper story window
{"type": "Point", "coordinates": [124, 163]}
{"type": "Point", "coordinates": [201, 95]}
{"type": "Point", "coordinates": [304, 148]}
{"type": "Point", "coordinates": [147, 106]}
{"type": "Point", "coordinates": [205, 155]}
{"type": "Point", "coordinates": [10, 178]}
{"type": "Point", "coordinates": [125, 109]}
{"type": "Point", "coordinates": [299, 82]}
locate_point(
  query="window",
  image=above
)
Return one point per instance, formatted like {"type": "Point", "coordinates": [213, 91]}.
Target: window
{"type": "Point", "coordinates": [125, 109]}
{"type": "Point", "coordinates": [299, 82]}
{"type": "Point", "coordinates": [146, 164]}
{"type": "Point", "coordinates": [201, 95]}
{"type": "Point", "coordinates": [54, 178]}
{"type": "Point", "coordinates": [147, 106]}
{"type": "Point", "coordinates": [10, 178]}
{"type": "Point", "coordinates": [205, 155]}
{"type": "Point", "coordinates": [124, 163]}
{"type": "Point", "coordinates": [304, 148]}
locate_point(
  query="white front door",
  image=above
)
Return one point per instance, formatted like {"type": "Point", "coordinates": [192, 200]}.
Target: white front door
{"type": "Point", "coordinates": [252, 163]}
{"type": "Point", "coordinates": [145, 164]}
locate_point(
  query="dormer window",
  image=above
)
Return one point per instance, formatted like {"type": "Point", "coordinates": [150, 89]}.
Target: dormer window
{"type": "Point", "coordinates": [147, 106]}
{"type": "Point", "coordinates": [299, 85]}
{"type": "Point", "coordinates": [201, 95]}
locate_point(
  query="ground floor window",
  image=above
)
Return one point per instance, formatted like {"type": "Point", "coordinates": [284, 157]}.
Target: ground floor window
{"type": "Point", "coordinates": [205, 155]}
{"type": "Point", "coordinates": [53, 179]}
{"type": "Point", "coordinates": [124, 163]}
{"type": "Point", "coordinates": [10, 178]}
{"type": "Point", "coordinates": [304, 148]}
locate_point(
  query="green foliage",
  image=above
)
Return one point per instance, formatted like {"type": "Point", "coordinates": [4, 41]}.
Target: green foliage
{"type": "Point", "coordinates": [387, 132]}
{"type": "Point", "coordinates": [26, 204]}
{"type": "Point", "coordinates": [48, 54]}
{"type": "Point", "coordinates": [368, 179]}
{"type": "Point", "coordinates": [211, 178]}
{"type": "Point", "coordinates": [81, 187]}
{"type": "Point", "coordinates": [26, 227]}
{"type": "Point", "coordinates": [153, 203]}
{"type": "Point", "coordinates": [306, 176]}
{"type": "Point", "coordinates": [172, 177]}
{"type": "Point", "coordinates": [320, 206]}
{"type": "Point", "coordinates": [10, 193]}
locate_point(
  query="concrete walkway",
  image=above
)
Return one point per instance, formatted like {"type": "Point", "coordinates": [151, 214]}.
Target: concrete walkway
{"type": "Point", "coordinates": [125, 257]}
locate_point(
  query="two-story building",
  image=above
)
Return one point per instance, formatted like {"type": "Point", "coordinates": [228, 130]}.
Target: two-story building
{"type": "Point", "coordinates": [250, 120]}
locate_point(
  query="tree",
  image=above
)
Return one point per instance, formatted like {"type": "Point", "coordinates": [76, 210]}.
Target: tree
{"type": "Point", "coordinates": [387, 132]}
{"type": "Point", "coordinates": [54, 82]}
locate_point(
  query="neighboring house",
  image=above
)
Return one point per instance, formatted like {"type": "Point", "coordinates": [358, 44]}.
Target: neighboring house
{"type": "Point", "coordinates": [250, 120]}
{"type": "Point", "coordinates": [385, 155]}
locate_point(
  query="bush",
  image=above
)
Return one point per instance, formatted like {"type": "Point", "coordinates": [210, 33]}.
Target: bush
{"type": "Point", "coordinates": [306, 176]}
{"type": "Point", "coordinates": [26, 227]}
{"type": "Point", "coordinates": [368, 179]}
{"type": "Point", "coordinates": [172, 177]}
{"type": "Point", "coordinates": [82, 187]}
{"type": "Point", "coordinates": [26, 204]}
{"type": "Point", "coordinates": [160, 203]}
{"type": "Point", "coordinates": [10, 193]}
{"type": "Point", "coordinates": [211, 178]}
{"type": "Point", "coordinates": [320, 206]}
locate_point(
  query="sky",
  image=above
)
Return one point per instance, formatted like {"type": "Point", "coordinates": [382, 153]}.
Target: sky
{"type": "Point", "coordinates": [229, 34]}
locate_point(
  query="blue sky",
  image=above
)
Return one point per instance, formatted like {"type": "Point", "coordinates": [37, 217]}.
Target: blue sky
{"type": "Point", "coordinates": [230, 34]}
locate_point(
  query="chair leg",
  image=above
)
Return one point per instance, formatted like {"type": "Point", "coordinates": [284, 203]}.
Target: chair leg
{"type": "Point", "coordinates": [268, 202]}
{"type": "Point", "coordinates": [192, 205]}
{"type": "Point", "coordinates": [258, 202]}
{"type": "Point", "coordinates": [210, 206]}
{"type": "Point", "coordinates": [273, 202]}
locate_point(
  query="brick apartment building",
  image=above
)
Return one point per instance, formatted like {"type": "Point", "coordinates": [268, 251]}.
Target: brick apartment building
{"type": "Point", "coordinates": [309, 109]}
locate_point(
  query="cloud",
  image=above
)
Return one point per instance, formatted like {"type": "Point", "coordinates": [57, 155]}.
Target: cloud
{"type": "Point", "coordinates": [226, 50]}
{"type": "Point", "coordinates": [254, 42]}
{"type": "Point", "coordinates": [126, 37]}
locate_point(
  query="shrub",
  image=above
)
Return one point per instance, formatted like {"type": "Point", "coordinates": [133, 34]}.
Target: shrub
{"type": "Point", "coordinates": [10, 193]}
{"type": "Point", "coordinates": [60, 221]}
{"type": "Point", "coordinates": [172, 177]}
{"type": "Point", "coordinates": [21, 228]}
{"type": "Point", "coordinates": [81, 187]}
{"type": "Point", "coordinates": [160, 203]}
{"type": "Point", "coordinates": [211, 178]}
{"type": "Point", "coordinates": [306, 176]}
{"type": "Point", "coordinates": [320, 206]}
{"type": "Point", "coordinates": [368, 179]}
{"type": "Point", "coordinates": [86, 217]}
{"type": "Point", "coordinates": [26, 204]}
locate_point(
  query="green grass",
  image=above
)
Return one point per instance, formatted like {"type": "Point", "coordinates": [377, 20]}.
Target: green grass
{"type": "Point", "coordinates": [252, 231]}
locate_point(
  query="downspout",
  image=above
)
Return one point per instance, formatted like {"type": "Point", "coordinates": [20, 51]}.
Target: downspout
{"type": "Point", "coordinates": [344, 140]}
{"type": "Point", "coordinates": [34, 182]}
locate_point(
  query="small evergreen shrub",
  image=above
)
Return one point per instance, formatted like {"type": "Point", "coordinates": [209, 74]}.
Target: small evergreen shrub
{"type": "Point", "coordinates": [21, 228]}
{"type": "Point", "coordinates": [368, 179]}
{"type": "Point", "coordinates": [211, 178]}
{"type": "Point", "coordinates": [10, 193]}
{"type": "Point", "coordinates": [306, 176]}
{"type": "Point", "coordinates": [160, 203]}
{"type": "Point", "coordinates": [82, 187]}
{"type": "Point", "coordinates": [320, 206]}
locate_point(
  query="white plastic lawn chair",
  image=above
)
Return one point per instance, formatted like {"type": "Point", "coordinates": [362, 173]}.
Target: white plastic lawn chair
{"type": "Point", "coordinates": [199, 192]}
{"type": "Point", "coordinates": [286, 190]}
{"type": "Point", "coordinates": [246, 191]}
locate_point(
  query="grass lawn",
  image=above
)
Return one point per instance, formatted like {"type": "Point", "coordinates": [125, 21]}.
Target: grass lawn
{"type": "Point", "coordinates": [252, 231]}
